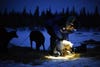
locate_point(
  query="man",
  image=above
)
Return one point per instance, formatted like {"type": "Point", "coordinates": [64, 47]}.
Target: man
{"type": "Point", "coordinates": [53, 38]}
{"type": "Point", "coordinates": [64, 41]}
{"type": "Point", "coordinates": [68, 28]}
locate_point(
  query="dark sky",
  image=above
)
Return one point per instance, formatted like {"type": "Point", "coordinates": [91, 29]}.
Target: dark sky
{"type": "Point", "coordinates": [55, 5]}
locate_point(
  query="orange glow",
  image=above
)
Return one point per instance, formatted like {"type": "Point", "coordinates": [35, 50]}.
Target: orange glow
{"type": "Point", "coordinates": [67, 57]}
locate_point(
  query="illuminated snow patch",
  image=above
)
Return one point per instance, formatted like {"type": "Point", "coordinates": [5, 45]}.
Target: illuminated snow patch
{"type": "Point", "coordinates": [67, 57]}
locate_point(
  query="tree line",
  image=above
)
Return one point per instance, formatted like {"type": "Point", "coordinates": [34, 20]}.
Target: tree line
{"type": "Point", "coordinates": [23, 19]}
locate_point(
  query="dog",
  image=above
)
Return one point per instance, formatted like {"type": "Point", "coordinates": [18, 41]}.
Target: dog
{"type": "Point", "coordinates": [63, 48]}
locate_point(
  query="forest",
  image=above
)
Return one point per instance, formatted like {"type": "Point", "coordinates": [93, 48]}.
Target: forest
{"type": "Point", "coordinates": [15, 19]}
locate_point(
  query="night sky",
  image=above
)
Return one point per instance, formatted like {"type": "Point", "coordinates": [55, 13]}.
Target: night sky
{"type": "Point", "coordinates": [55, 5]}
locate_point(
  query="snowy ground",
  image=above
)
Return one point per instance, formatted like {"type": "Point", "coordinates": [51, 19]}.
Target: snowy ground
{"type": "Point", "coordinates": [76, 38]}
{"type": "Point", "coordinates": [80, 62]}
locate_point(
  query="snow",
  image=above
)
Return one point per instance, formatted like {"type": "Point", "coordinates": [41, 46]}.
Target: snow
{"type": "Point", "coordinates": [79, 36]}
{"type": "Point", "coordinates": [23, 38]}
{"type": "Point", "coordinates": [67, 57]}
{"type": "Point", "coordinates": [13, 64]}
{"type": "Point", "coordinates": [76, 38]}
{"type": "Point", "coordinates": [81, 62]}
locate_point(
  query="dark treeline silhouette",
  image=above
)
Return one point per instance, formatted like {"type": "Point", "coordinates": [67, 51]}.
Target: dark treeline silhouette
{"type": "Point", "coordinates": [23, 19]}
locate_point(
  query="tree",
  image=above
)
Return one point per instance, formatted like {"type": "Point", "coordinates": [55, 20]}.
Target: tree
{"type": "Point", "coordinates": [36, 13]}
{"type": "Point", "coordinates": [73, 12]}
{"type": "Point", "coordinates": [5, 12]}
{"type": "Point", "coordinates": [24, 12]}
{"type": "Point", "coordinates": [48, 13]}
{"type": "Point", "coordinates": [96, 12]}
{"type": "Point", "coordinates": [83, 12]}
{"type": "Point", "coordinates": [67, 12]}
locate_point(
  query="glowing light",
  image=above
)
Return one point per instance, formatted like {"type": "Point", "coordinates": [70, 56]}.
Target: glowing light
{"type": "Point", "coordinates": [67, 57]}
